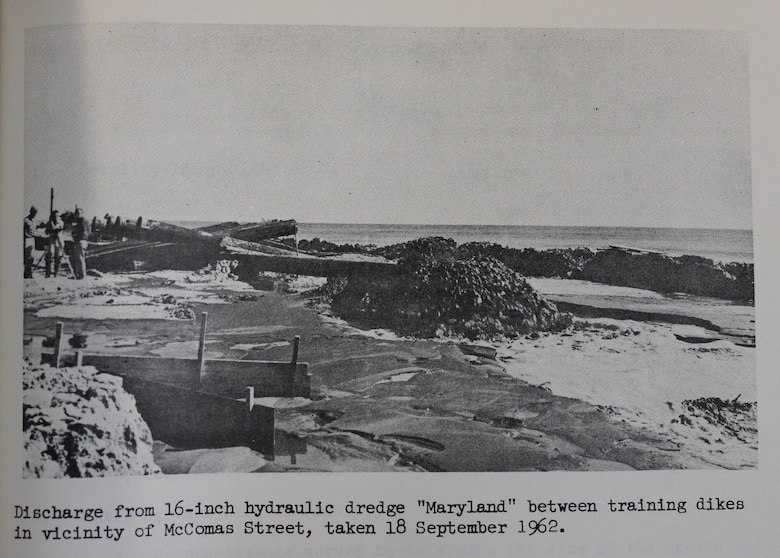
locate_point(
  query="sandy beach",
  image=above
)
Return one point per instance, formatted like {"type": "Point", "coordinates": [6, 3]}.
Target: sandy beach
{"type": "Point", "coordinates": [606, 394]}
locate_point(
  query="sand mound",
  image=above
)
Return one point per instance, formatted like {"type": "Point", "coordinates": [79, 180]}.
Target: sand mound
{"type": "Point", "coordinates": [81, 423]}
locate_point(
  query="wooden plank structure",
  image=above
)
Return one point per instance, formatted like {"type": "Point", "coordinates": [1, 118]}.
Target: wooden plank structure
{"type": "Point", "coordinates": [254, 232]}
{"type": "Point", "coordinates": [159, 231]}
{"type": "Point", "coordinates": [200, 402]}
{"type": "Point", "coordinates": [187, 418]}
{"type": "Point", "coordinates": [159, 245]}
{"type": "Point", "coordinates": [250, 265]}
{"type": "Point", "coordinates": [266, 247]}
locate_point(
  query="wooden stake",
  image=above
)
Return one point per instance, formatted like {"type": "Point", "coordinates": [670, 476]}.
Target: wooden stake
{"type": "Point", "coordinates": [58, 344]}
{"type": "Point", "coordinates": [294, 363]}
{"type": "Point", "coordinates": [202, 343]}
{"type": "Point", "coordinates": [250, 397]}
{"type": "Point", "coordinates": [79, 358]}
{"type": "Point", "coordinates": [296, 342]}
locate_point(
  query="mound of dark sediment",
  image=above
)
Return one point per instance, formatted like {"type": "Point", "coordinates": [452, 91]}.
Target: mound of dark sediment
{"type": "Point", "coordinates": [431, 247]}
{"type": "Point", "coordinates": [614, 266]}
{"type": "Point", "coordinates": [81, 423]}
{"type": "Point", "coordinates": [436, 293]}
{"type": "Point", "coordinates": [666, 274]}
{"type": "Point", "coordinates": [557, 262]}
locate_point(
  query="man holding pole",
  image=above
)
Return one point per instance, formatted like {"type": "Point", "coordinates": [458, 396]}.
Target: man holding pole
{"type": "Point", "coordinates": [54, 244]}
{"type": "Point", "coordinates": [79, 232]}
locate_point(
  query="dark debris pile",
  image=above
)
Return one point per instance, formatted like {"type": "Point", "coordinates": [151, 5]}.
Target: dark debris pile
{"type": "Point", "coordinates": [612, 266]}
{"type": "Point", "coordinates": [736, 418]}
{"type": "Point", "coordinates": [437, 293]}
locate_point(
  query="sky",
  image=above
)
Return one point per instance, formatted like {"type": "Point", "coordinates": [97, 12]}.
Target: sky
{"type": "Point", "coordinates": [390, 125]}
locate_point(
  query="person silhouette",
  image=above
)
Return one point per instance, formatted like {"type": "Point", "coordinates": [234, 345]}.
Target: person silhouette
{"type": "Point", "coordinates": [29, 241]}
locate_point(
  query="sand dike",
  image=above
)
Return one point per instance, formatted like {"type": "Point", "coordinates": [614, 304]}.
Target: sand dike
{"type": "Point", "coordinates": [81, 423]}
{"type": "Point", "coordinates": [438, 293]}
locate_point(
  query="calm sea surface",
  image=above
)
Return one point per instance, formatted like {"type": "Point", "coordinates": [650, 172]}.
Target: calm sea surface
{"type": "Point", "coordinates": [725, 245]}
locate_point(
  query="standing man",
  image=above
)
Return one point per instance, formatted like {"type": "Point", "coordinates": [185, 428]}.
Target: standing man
{"type": "Point", "coordinates": [29, 241]}
{"type": "Point", "coordinates": [54, 244]}
{"type": "Point", "coordinates": [79, 231]}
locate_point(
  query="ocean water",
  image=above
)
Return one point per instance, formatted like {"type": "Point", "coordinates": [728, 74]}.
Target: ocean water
{"type": "Point", "coordinates": [724, 245]}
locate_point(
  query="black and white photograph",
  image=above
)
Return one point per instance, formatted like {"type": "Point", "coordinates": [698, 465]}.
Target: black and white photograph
{"type": "Point", "coordinates": [277, 248]}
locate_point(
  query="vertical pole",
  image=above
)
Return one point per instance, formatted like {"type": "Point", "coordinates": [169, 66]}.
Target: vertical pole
{"type": "Point", "coordinates": [79, 358]}
{"type": "Point", "coordinates": [51, 201]}
{"type": "Point", "coordinates": [202, 343]}
{"type": "Point", "coordinates": [294, 365]}
{"type": "Point", "coordinates": [250, 397]}
{"type": "Point", "coordinates": [296, 342]}
{"type": "Point", "coordinates": [58, 344]}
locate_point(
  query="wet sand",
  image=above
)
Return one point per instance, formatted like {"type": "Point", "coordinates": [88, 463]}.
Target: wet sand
{"type": "Point", "coordinates": [382, 403]}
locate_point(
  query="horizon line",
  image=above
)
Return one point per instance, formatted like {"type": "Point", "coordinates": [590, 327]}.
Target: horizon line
{"type": "Point", "coordinates": [388, 224]}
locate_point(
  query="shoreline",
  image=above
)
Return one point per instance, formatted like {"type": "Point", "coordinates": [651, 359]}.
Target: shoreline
{"type": "Point", "coordinates": [708, 243]}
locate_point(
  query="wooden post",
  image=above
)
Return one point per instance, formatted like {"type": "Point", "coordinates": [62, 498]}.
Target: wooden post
{"type": "Point", "coordinates": [296, 342]}
{"type": "Point", "coordinates": [51, 201]}
{"type": "Point", "coordinates": [294, 363]}
{"type": "Point", "coordinates": [250, 397]}
{"type": "Point", "coordinates": [79, 358]}
{"type": "Point", "coordinates": [58, 344]}
{"type": "Point", "coordinates": [202, 343]}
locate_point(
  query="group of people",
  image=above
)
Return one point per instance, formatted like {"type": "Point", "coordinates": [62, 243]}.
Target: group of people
{"type": "Point", "coordinates": [55, 244]}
